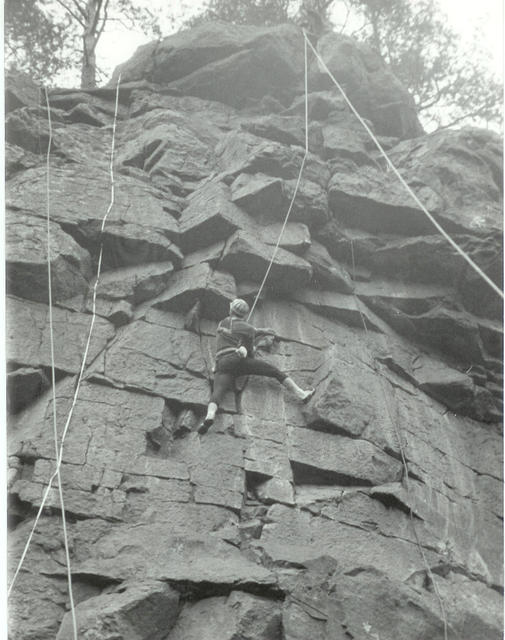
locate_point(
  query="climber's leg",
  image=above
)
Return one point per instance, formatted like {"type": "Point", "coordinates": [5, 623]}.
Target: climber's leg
{"type": "Point", "coordinates": [300, 393]}
{"type": "Point", "coordinates": [251, 366]}
{"type": "Point", "coordinates": [222, 383]}
{"type": "Point", "coordinates": [208, 421]}
{"type": "Point", "coordinates": [254, 367]}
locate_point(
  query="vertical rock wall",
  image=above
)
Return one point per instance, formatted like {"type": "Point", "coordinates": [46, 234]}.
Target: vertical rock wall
{"type": "Point", "coordinates": [284, 522]}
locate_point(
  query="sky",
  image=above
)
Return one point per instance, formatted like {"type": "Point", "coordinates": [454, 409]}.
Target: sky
{"type": "Point", "coordinates": [119, 44]}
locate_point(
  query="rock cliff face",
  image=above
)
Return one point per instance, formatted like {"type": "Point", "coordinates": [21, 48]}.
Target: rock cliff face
{"type": "Point", "coordinates": [284, 522]}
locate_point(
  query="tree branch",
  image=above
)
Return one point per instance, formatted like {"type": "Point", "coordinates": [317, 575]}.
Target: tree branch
{"type": "Point", "coordinates": [363, 26]}
{"type": "Point", "coordinates": [74, 15]}
{"type": "Point", "coordinates": [427, 105]}
{"type": "Point", "coordinates": [96, 17]}
{"type": "Point", "coordinates": [79, 8]}
{"type": "Point", "coordinates": [102, 26]}
{"type": "Point", "coordinates": [121, 22]}
{"type": "Point", "coordinates": [348, 11]}
{"type": "Point", "coordinates": [473, 114]}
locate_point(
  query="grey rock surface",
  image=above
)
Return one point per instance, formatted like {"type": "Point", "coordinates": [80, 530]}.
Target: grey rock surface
{"type": "Point", "coordinates": [26, 259]}
{"type": "Point", "coordinates": [286, 521]}
{"type": "Point", "coordinates": [141, 610]}
{"type": "Point", "coordinates": [369, 83]}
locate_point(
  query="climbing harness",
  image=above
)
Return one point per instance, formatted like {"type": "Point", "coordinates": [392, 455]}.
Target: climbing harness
{"type": "Point", "coordinates": [56, 473]}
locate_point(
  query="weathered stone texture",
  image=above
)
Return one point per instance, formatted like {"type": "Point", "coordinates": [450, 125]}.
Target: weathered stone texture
{"type": "Point", "coordinates": [286, 521]}
{"type": "Point", "coordinates": [28, 336]}
{"type": "Point", "coordinates": [145, 610]}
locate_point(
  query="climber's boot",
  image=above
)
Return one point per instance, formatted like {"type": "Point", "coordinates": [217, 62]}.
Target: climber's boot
{"type": "Point", "coordinates": [209, 418]}
{"type": "Point", "coordinates": [300, 393]}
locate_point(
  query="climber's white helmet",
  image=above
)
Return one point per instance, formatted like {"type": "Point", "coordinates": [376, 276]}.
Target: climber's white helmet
{"type": "Point", "coordinates": [239, 308]}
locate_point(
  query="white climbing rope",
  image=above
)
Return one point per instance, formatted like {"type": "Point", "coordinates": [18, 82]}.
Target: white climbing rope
{"type": "Point", "coordinates": [411, 516]}
{"type": "Point", "coordinates": [472, 264]}
{"type": "Point", "coordinates": [53, 376]}
{"type": "Point", "coordinates": [404, 464]}
{"type": "Point", "coordinates": [281, 233]}
{"type": "Point", "coordinates": [463, 254]}
{"type": "Point", "coordinates": [85, 355]}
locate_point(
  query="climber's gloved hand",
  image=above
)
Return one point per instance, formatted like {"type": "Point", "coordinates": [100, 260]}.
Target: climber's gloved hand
{"type": "Point", "coordinates": [242, 352]}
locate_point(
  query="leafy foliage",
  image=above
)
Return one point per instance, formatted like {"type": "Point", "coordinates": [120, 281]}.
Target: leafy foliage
{"type": "Point", "coordinates": [35, 42]}
{"type": "Point", "coordinates": [43, 37]}
{"type": "Point", "coordinates": [449, 84]}
{"type": "Point", "coordinates": [257, 12]}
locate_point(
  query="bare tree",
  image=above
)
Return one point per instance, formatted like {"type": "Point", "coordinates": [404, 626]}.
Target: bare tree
{"type": "Point", "coordinates": [49, 40]}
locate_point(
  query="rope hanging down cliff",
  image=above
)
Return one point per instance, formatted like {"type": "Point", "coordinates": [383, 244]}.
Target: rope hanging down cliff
{"type": "Point", "coordinates": [281, 233]}
{"type": "Point", "coordinates": [53, 368]}
{"type": "Point", "coordinates": [403, 457]}
{"type": "Point", "coordinates": [390, 164]}
{"type": "Point", "coordinates": [59, 458]}
{"type": "Point", "coordinates": [59, 452]}
{"type": "Point", "coordinates": [439, 228]}
{"type": "Point", "coordinates": [472, 264]}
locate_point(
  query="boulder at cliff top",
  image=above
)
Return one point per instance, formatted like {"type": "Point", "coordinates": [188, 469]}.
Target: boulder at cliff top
{"type": "Point", "coordinates": [219, 61]}
{"type": "Point", "coordinates": [375, 92]}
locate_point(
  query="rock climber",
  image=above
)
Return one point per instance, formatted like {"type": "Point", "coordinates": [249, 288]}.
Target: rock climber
{"type": "Point", "coordinates": [235, 357]}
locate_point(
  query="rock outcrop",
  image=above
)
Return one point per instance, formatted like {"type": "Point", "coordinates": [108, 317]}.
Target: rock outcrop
{"type": "Point", "coordinates": [285, 521]}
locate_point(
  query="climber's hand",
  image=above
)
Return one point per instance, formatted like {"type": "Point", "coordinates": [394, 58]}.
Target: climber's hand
{"type": "Point", "coordinates": [242, 352]}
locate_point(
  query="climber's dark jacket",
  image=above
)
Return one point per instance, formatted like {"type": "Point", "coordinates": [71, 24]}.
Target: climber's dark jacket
{"type": "Point", "coordinates": [242, 335]}
{"type": "Point", "coordinates": [229, 365]}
